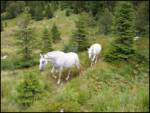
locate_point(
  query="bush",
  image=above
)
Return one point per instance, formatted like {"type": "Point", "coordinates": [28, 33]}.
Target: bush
{"type": "Point", "coordinates": [30, 90]}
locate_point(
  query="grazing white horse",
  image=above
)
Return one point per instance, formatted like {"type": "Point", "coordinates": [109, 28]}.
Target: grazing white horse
{"type": "Point", "coordinates": [60, 61]}
{"type": "Point", "coordinates": [93, 52]}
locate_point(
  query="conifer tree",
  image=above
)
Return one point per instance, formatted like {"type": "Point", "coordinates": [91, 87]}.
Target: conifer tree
{"type": "Point", "coordinates": [25, 37]}
{"type": "Point", "coordinates": [124, 28]}
{"type": "Point", "coordinates": [55, 34]}
{"type": "Point", "coordinates": [48, 11]}
{"type": "Point", "coordinates": [47, 41]}
{"type": "Point", "coordinates": [142, 18]}
{"type": "Point", "coordinates": [29, 90]}
{"type": "Point", "coordinates": [2, 26]}
{"type": "Point", "coordinates": [80, 35]}
{"type": "Point", "coordinates": [105, 21]}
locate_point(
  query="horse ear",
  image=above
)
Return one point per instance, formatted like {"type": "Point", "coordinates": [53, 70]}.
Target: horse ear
{"type": "Point", "coordinates": [41, 55]}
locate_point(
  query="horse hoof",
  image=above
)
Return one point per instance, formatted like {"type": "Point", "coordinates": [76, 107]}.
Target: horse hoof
{"type": "Point", "coordinates": [58, 82]}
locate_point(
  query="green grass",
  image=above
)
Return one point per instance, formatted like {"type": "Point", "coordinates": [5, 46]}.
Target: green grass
{"type": "Point", "coordinates": [103, 87]}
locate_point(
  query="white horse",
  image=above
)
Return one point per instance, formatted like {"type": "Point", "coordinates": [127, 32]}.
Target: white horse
{"type": "Point", "coordinates": [60, 61]}
{"type": "Point", "coordinates": [93, 52]}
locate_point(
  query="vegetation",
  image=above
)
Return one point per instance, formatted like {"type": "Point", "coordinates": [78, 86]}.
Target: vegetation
{"type": "Point", "coordinates": [79, 39]}
{"type": "Point", "coordinates": [142, 23]}
{"type": "Point", "coordinates": [55, 34]}
{"type": "Point", "coordinates": [105, 22]}
{"type": "Point", "coordinates": [124, 27]}
{"type": "Point", "coordinates": [120, 86]}
{"type": "Point", "coordinates": [47, 41]}
{"type": "Point", "coordinates": [25, 37]}
{"type": "Point", "coordinates": [29, 91]}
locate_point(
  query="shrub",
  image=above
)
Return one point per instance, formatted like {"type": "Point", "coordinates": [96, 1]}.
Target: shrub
{"type": "Point", "coordinates": [30, 90]}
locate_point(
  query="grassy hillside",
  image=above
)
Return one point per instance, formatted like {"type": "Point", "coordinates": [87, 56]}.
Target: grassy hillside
{"type": "Point", "coordinates": [103, 87]}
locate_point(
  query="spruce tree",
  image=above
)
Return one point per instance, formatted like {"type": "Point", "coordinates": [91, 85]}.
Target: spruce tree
{"type": "Point", "coordinates": [48, 11]}
{"type": "Point", "coordinates": [105, 21]}
{"type": "Point", "coordinates": [142, 18]}
{"type": "Point", "coordinates": [80, 35]}
{"type": "Point", "coordinates": [25, 37]}
{"type": "Point", "coordinates": [29, 90]}
{"type": "Point", "coordinates": [47, 41]}
{"type": "Point", "coordinates": [124, 28]}
{"type": "Point", "coordinates": [55, 34]}
{"type": "Point", "coordinates": [2, 26]}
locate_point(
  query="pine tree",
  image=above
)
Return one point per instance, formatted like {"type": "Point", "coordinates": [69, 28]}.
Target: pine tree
{"type": "Point", "coordinates": [55, 34]}
{"type": "Point", "coordinates": [47, 41]}
{"type": "Point", "coordinates": [14, 8]}
{"type": "Point", "coordinates": [48, 11]}
{"type": "Point", "coordinates": [25, 37]}
{"type": "Point", "coordinates": [37, 9]}
{"type": "Point", "coordinates": [105, 21]}
{"type": "Point", "coordinates": [29, 90]}
{"type": "Point", "coordinates": [124, 28]}
{"type": "Point", "coordinates": [2, 26]}
{"type": "Point", "coordinates": [79, 37]}
{"type": "Point", "coordinates": [142, 20]}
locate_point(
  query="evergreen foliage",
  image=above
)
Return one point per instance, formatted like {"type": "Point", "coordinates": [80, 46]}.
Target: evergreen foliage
{"type": "Point", "coordinates": [124, 28]}
{"type": "Point", "coordinates": [47, 41]}
{"type": "Point", "coordinates": [142, 19]}
{"type": "Point", "coordinates": [80, 39]}
{"type": "Point", "coordinates": [14, 8]}
{"type": "Point", "coordinates": [29, 90]}
{"type": "Point", "coordinates": [105, 22]}
{"type": "Point", "coordinates": [55, 34]}
{"type": "Point", "coordinates": [25, 37]}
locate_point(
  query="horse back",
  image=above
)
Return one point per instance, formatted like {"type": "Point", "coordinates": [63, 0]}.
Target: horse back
{"type": "Point", "coordinates": [96, 48]}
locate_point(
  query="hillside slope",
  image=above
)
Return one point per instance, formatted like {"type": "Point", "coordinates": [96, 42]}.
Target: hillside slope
{"type": "Point", "coordinates": [103, 87]}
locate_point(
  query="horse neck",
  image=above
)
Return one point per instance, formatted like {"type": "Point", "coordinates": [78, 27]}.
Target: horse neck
{"type": "Point", "coordinates": [53, 55]}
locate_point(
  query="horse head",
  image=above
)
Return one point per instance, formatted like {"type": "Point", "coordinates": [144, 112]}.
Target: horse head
{"type": "Point", "coordinates": [43, 62]}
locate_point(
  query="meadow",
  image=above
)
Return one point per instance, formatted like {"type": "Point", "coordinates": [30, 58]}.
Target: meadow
{"type": "Point", "coordinates": [122, 86]}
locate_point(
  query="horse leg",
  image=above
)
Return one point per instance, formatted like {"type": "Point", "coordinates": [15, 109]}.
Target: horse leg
{"type": "Point", "coordinates": [52, 71]}
{"type": "Point", "coordinates": [92, 60]}
{"type": "Point", "coordinates": [68, 76]}
{"type": "Point", "coordinates": [59, 78]}
{"type": "Point", "coordinates": [91, 63]}
{"type": "Point", "coordinates": [96, 59]}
